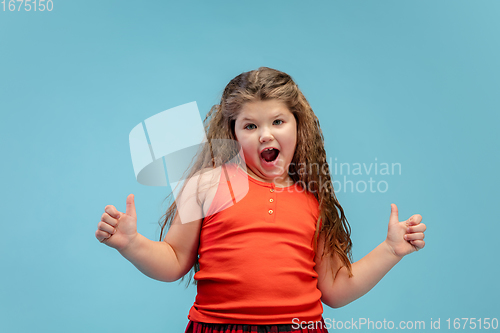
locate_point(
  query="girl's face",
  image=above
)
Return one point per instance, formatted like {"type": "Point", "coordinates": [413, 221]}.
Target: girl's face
{"type": "Point", "coordinates": [267, 124]}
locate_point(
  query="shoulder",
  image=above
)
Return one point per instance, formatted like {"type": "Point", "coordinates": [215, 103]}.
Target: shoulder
{"type": "Point", "coordinates": [311, 200]}
{"type": "Point", "coordinates": [206, 181]}
{"type": "Point", "coordinates": [191, 199]}
{"type": "Point", "coordinates": [203, 181]}
{"type": "Point", "coordinates": [313, 205]}
{"type": "Point", "coordinates": [208, 177]}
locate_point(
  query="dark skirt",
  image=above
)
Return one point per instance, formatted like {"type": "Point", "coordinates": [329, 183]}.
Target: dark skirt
{"type": "Point", "coordinates": [195, 327]}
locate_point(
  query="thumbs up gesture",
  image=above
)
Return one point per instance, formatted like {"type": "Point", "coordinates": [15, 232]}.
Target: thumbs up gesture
{"type": "Point", "coordinates": [117, 229]}
{"type": "Point", "coordinates": [407, 236]}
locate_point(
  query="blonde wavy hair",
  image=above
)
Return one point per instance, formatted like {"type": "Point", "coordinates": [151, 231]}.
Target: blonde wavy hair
{"type": "Point", "coordinates": [261, 85]}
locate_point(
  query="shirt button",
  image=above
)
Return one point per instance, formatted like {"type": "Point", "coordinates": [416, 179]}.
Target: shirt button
{"type": "Point", "coordinates": [270, 211]}
{"type": "Point", "coordinates": [271, 200]}
{"type": "Point", "coordinates": [271, 190]}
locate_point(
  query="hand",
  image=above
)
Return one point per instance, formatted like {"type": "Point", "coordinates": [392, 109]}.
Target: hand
{"type": "Point", "coordinates": [117, 229]}
{"type": "Point", "coordinates": [405, 237]}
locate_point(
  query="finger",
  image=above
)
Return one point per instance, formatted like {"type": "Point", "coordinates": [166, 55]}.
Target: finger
{"type": "Point", "coordinates": [103, 226]}
{"type": "Point", "coordinates": [414, 220]}
{"type": "Point", "coordinates": [130, 205]}
{"type": "Point", "coordinates": [394, 214]}
{"type": "Point", "coordinates": [109, 219]}
{"type": "Point", "coordinates": [417, 218]}
{"type": "Point", "coordinates": [112, 211]}
{"type": "Point", "coordinates": [416, 228]}
{"type": "Point", "coordinates": [102, 236]}
{"type": "Point", "coordinates": [415, 236]}
{"type": "Point", "coordinates": [419, 244]}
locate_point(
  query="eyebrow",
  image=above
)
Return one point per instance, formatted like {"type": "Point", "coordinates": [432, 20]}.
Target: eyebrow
{"type": "Point", "coordinates": [276, 116]}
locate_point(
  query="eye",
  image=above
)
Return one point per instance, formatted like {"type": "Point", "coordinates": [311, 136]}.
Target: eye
{"type": "Point", "coordinates": [246, 126]}
{"type": "Point", "coordinates": [281, 121]}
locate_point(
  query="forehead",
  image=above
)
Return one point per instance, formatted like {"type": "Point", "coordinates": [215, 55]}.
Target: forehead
{"type": "Point", "coordinates": [263, 108]}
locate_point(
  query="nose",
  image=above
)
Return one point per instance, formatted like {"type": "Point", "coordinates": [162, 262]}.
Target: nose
{"type": "Point", "coordinates": [266, 135]}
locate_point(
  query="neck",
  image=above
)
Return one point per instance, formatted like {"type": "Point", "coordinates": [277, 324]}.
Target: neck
{"type": "Point", "coordinates": [282, 181]}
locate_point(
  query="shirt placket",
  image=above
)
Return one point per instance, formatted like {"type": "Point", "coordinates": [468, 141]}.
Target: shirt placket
{"type": "Point", "coordinates": [271, 204]}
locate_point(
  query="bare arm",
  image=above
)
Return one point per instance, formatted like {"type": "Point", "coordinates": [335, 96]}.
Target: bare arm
{"type": "Point", "coordinates": [166, 260]}
{"type": "Point", "coordinates": [339, 289]}
{"type": "Point", "coordinates": [162, 260]}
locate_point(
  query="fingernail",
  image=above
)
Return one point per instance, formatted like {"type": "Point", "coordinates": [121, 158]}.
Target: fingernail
{"type": "Point", "coordinates": [406, 237]}
{"type": "Point", "coordinates": [408, 230]}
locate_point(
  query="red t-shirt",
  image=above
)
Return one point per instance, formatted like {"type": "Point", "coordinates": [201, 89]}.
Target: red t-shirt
{"type": "Point", "coordinates": [256, 255]}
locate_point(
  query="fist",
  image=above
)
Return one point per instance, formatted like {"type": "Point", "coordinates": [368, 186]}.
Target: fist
{"type": "Point", "coordinates": [407, 236]}
{"type": "Point", "coordinates": [117, 229]}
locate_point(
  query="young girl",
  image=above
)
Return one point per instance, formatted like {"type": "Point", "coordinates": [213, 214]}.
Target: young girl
{"type": "Point", "coordinates": [258, 220]}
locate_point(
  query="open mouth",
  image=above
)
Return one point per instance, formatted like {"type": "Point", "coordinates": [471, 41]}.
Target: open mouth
{"type": "Point", "coordinates": [270, 155]}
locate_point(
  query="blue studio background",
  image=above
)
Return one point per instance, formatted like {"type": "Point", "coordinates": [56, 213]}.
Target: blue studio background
{"type": "Point", "coordinates": [408, 82]}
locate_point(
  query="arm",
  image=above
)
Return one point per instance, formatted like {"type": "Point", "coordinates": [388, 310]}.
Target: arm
{"type": "Point", "coordinates": [341, 289]}
{"type": "Point", "coordinates": [172, 258]}
{"type": "Point", "coordinates": [338, 289]}
{"type": "Point", "coordinates": [166, 260]}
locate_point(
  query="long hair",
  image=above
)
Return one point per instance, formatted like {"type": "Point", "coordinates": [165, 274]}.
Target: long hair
{"type": "Point", "coordinates": [308, 166]}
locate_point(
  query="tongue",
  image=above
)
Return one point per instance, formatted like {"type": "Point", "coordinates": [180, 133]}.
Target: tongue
{"type": "Point", "coordinates": [270, 155]}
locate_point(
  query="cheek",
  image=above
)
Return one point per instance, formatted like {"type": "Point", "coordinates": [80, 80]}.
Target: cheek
{"type": "Point", "coordinates": [240, 138]}
{"type": "Point", "coordinates": [295, 143]}
{"type": "Point", "coordinates": [245, 144]}
{"type": "Point", "coordinates": [293, 137]}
